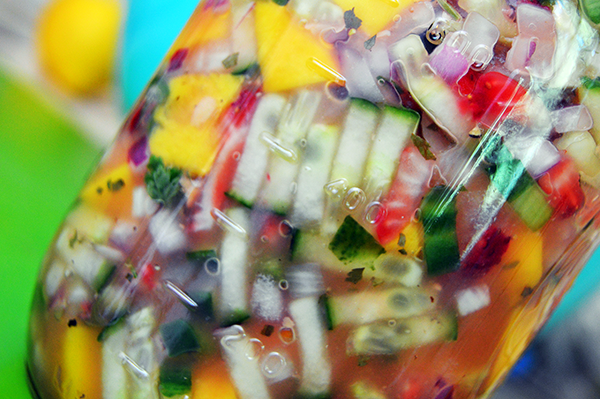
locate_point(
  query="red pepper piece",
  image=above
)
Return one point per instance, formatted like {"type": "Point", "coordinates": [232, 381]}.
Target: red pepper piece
{"type": "Point", "coordinates": [487, 253]}
{"type": "Point", "coordinates": [494, 96]}
{"type": "Point", "coordinates": [561, 183]}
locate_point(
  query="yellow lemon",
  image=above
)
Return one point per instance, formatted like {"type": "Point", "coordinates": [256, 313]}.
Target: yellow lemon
{"type": "Point", "coordinates": [77, 41]}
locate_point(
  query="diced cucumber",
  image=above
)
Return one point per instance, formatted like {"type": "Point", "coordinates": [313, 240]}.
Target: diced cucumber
{"type": "Point", "coordinates": [278, 190]}
{"type": "Point", "coordinates": [590, 97]}
{"type": "Point", "coordinates": [253, 162]}
{"type": "Point", "coordinates": [234, 269]}
{"type": "Point", "coordinates": [440, 249]}
{"type": "Point", "coordinates": [385, 338]}
{"type": "Point", "coordinates": [204, 304]}
{"type": "Point", "coordinates": [428, 89]}
{"type": "Point", "coordinates": [316, 369]}
{"type": "Point", "coordinates": [243, 364]}
{"type": "Point", "coordinates": [520, 190]}
{"type": "Point", "coordinates": [199, 257]}
{"type": "Point", "coordinates": [81, 257]}
{"type": "Point", "coordinates": [179, 337]}
{"type": "Point", "coordinates": [369, 306]}
{"type": "Point", "coordinates": [352, 242]}
{"type": "Point", "coordinates": [394, 267]}
{"type": "Point", "coordinates": [114, 376]}
{"type": "Point", "coordinates": [309, 204]}
{"type": "Point", "coordinates": [393, 134]}
{"type": "Point", "coordinates": [355, 142]}
{"type": "Point", "coordinates": [140, 349]}
{"type": "Point", "coordinates": [175, 379]}
{"type": "Point", "coordinates": [243, 39]}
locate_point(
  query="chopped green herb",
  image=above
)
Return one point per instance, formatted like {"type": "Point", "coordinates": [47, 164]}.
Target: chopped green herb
{"type": "Point", "coordinates": [201, 256]}
{"type": "Point", "coordinates": [526, 292]}
{"type": "Point", "coordinates": [267, 330]}
{"type": "Point", "coordinates": [132, 270]}
{"type": "Point", "coordinates": [403, 251]}
{"type": "Point", "coordinates": [363, 361]}
{"type": "Point", "coordinates": [129, 277]}
{"type": "Point", "coordinates": [231, 60]}
{"type": "Point", "coordinates": [115, 186]}
{"type": "Point", "coordinates": [370, 42]}
{"type": "Point", "coordinates": [402, 240]}
{"type": "Point", "coordinates": [589, 83]}
{"type": "Point", "coordinates": [355, 275]}
{"type": "Point", "coordinates": [281, 2]}
{"type": "Point", "coordinates": [351, 20]}
{"type": "Point", "coordinates": [72, 323]}
{"type": "Point", "coordinates": [162, 183]}
{"type": "Point", "coordinates": [179, 337]}
{"type": "Point", "coordinates": [376, 281]}
{"type": "Point", "coordinates": [423, 147]}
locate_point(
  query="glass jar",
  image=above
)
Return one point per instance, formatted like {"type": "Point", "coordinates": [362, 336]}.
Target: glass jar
{"type": "Point", "coordinates": [345, 199]}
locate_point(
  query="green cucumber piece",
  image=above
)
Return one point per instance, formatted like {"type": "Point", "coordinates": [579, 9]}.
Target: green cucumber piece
{"type": "Point", "coordinates": [277, 192]}
{"type": "Point", "coordinates": [204, 302]}
{"type": "Point", "coordinates": [352, 242]}
{"type": "Point", "coordinates": [393, 134]}
{"type": "Point", "coordinates": [438, 214]}
{"type": "Point", "coordinates": [309, 203]}
{"type": "Point", "coordinates": [174, 379]}
{"type": "Point", "coordinates": [388, 338]}
{"type": "Point", "coordinates": [355, 142]}
{"type": "Point", "coordinates": [199, 257]}
{"type": "Point", "coordinates": [591, 9]}
{"type": "Point", "coordinates": [370, 306]}
{"type": "Point", "coordinates": [520, 190]}
{"type": "Point", "coordinates": [394, 267]}
{"type": "Point", "coordinates": [252, 166]}
{"type": "Point", "coordinates": [179, 337]}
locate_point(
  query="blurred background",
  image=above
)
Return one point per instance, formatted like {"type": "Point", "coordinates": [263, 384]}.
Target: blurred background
{"type": "Point", "coordinates": [69, 72]}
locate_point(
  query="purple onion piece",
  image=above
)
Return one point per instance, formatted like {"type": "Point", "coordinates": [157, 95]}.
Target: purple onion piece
{"type": "Point", "coordinates": [446, 392]}
{"type": "Point", "coordinates": [332, 36]}
{"type": "Point", "coordinates": [177, 59]}
{"type": "Point", "coordinates": [449, 64]}
{"type": "Point", "coordinates": [138, 153]}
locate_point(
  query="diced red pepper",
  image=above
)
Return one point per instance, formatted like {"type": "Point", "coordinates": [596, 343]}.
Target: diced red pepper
{"type": "Point", "coordinates": [148, 275]}
{"type": "Point", "coordinates": [405, 195]}
{"type": "Point", "coordinates": [562, 184]}
{"type": "Point", "coordinates": [487, 253]}
{"type": "Point", "coordinates": [495, 95]}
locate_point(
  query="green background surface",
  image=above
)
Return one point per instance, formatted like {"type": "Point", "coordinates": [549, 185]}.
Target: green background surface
{"type": "Point", "coordinates": [44, 161]}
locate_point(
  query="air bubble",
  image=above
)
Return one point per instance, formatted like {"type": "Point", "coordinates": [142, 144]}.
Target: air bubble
{"type": "Point", "coordinates": [284, 285]}
{"type": "Point", "coordinates": [375, 212]}
{"type": "Point", "coordinates": [355, 198]}
{"type": "Point", "coordinates": [179, 294]}
{"type": "Point", "coordinates": [254, 348]}
{"type": "Point", "coordinates": [212, 266]}
{"type": "Point", "coordinates": [275, 145]}
{"type": "Point", "coordinates": [287, 335]}
{"type": "Point", "coordinates": [264, 239]}
{"type": "Point", "coordinates": [135, 369]}
{"type": "Point", "coordinates": [237, 156]}
{"type": "Point", "coordinates": [273, 364]}
{"type": "Point", "coordinates": [391, 323]}
{"type": "Point", "coordinates": [227, 224]}
{"type": "Point", "coordinates": [335, 189]}
{"type": "Point", "coordinates": [285, 228]}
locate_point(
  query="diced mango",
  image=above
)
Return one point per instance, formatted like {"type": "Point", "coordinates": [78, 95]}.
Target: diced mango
{"type": "Point", "coordinates": [80, 370]}
{"type": "Point", "coordinates": [286, 50]}
{"type": "Point", "coordinates": [375, 14]}
{"type": "Point", "coordinates": [210, 381]}
{"type": "Point", "coordinates": [203, 27]}
{"type": "Point", "coordinates": [187, 136]}
{"type": "Point", "coordinates": [110, 192]}
{"type": "Point", "coordinates": [521, 327]}
{"type": "Point", "coordinates": [413, 240]}
{"type": "Point", "coordinates": [523, 265]}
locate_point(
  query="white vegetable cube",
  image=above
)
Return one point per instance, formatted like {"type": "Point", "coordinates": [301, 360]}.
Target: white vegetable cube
{"type": "Point", "coordinates": [472, 299]}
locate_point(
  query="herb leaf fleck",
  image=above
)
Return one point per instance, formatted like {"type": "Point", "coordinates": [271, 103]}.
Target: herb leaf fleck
{"type": "Point", "coordinates": [351, 20]}
{"type": "Point", "coordinates": [162, 183]}
{"type": "Point", "coordinates": [231, 60]}
{"type": "Point", "coordinates": [423, 147]}
{"type": "Point", "coordinates": [369, 43]}
{"type": "Point", "coordinates": [355, 275]}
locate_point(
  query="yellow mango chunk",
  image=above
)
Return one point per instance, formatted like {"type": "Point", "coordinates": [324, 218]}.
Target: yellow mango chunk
{"type": "Point", "coordinates": [81, 364]}
{"type": "Point", "coordinates": [376, 15]}
{"type": "Point", "coordinates": [413, 240]}
{"type": "Point", "coordinates": [187, 136]}
{"type": "Point", "coordinates": [287, 51]}
{"type": "Point", "coordinates": [211, 381]}
{"type": "Point", "coordinates": [523, 267]}
{"type": "Point", "coordinates": [110, 192]}
{"type": "Point", "coordinates": [203, 27]}
{"type": "Point", "coordinates": [521, 326]}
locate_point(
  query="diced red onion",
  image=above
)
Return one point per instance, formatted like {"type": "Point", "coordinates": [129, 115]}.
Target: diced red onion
{"type": "Point", "coordinates": [138, 153]}
{"type": "Point", "coordinates": [332, 36]}
{"type": "Point", "coordinates": [570, 119]}
{"type": "Point", "coordinates": [359, 81]}
{"type": "Point", "coordinates": [449, 64]}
